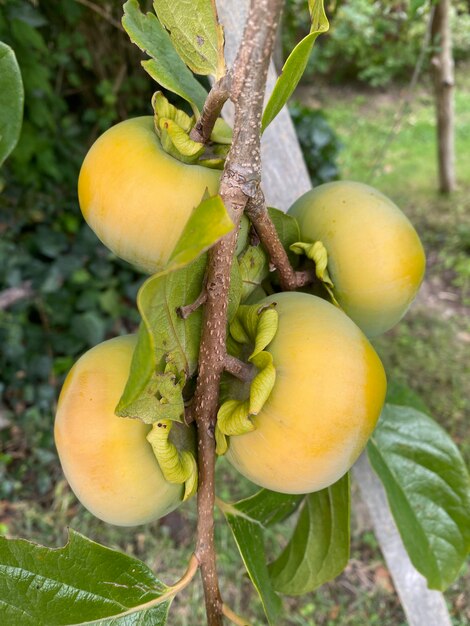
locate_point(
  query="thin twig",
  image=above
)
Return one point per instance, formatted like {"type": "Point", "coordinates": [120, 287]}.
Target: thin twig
{"type": "Point", "coordinates": [97, 9]}
{"type": "Point", "coordinates": [241, 370]}
{"type": "Point", "coordinates": [290, 280]}
{"type": "Point", "coordinates": [185, 311]}
{"type": "Point", "coordinates": [240, 180]}
{"type": "Point", "coordinates": [218, 96]}
{"type": "Point", "coordinates": [233, 617]}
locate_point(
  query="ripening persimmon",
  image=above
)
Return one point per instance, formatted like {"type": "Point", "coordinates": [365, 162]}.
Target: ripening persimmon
{"type": "Point", "coordinates": [136, 197]}
{"type": "Point", "coordinates": [107, 460]}
{"type": "Point", "coordinates": [375, 257]}
{"type": "Point", "coordinates": [329, 390]}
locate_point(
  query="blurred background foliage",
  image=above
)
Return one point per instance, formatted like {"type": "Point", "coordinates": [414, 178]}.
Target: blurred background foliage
{"type": "Point", "coordinates": [373, 42]}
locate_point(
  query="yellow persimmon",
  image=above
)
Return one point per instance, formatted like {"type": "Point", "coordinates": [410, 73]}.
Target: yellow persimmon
{"type": "Point", "coordinates": [329, 390]}
{"type": "Point", "coordinates": [375, 257]}
{"type": "Point", "coordinates": [106, 459]}
{"type": "Point", "coordinates": [136, 197]}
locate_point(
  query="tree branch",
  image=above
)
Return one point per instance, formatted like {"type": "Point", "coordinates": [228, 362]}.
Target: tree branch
{"type": "Point", "coordinates": [241, 370]}
{"type": "Point", "coordinates": [240, 181]}
{"type": "Point", "coordinates": [218, 96]}
{"type": "Point", "coordinates": [290, 280]}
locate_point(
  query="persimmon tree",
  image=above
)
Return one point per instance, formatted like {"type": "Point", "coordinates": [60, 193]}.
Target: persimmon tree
{"type": "Point", "coordinates": [285, 384]}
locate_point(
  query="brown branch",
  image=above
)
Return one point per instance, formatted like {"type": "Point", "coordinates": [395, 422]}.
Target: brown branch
{"type": "Point", "coordinates": [241, 370]}
{"type": "Point", "coordinates": [240, 180]}
{"type": "Point", "coordinates": [218, 96]}
{"type": "Point", "coordinates": [290, 280]}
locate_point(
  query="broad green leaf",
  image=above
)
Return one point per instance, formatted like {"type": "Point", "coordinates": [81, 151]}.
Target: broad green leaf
{"type": "Point", "coordinates": [319, 548]}
{"type": "Point", "coordinates": [195, 32]}
{"type": "Point", "coordinates": [11, 101]}
{"type": "Point", "coordinates": [269, 507]}
{"type": "Point", "coordinates": [428, 489]}
{"type": "Point", "coordinates": [164, 339]}
{"type": "Point", "coordinates": [208, 223]}
{"type": "Point", "coordinates": [296, 63]}
{"type": "Point", "coordinates": [167, 347]}
{"type": "Point", "coordinates": [81, 583]}
{"type": "Point", "coordinates": [165, 65]}
{"type": "Point", "coordinates": [247, 520]}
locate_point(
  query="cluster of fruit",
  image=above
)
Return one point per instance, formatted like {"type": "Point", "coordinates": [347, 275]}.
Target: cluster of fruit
{"type": "Point", "coordinates": [330, 384]}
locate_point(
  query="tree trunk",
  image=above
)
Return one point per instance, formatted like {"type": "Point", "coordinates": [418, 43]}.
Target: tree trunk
{"type": "Point", "coordinates": [443, 74]}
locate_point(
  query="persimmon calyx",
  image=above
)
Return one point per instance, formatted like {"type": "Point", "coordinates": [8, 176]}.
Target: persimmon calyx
{"type": "Point", "coordinates": [178, 466]}
{"type": "Point", "coordinates": [173, 128]}
{"type": "Point", "coordinates": [252, 325]}
{"type": "Point", "coordinates": [317, 253]}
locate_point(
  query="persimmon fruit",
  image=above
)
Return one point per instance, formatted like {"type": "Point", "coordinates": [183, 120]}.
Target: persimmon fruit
{"type": "Point", "coordinates": [375, 258]}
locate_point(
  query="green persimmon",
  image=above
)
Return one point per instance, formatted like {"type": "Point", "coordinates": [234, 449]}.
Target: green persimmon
{"type": "Point", "coordinates": [136, 197]}
{"type": "Point", "coordinates": [107, 460]}
{"type": "Point", "coordinates": [328, 393]}
{"type": "Point", "coordinates": [375, 258]}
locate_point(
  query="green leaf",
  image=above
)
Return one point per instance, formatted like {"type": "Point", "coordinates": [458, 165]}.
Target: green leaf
{"type": "Point", "coordinates": [167, 348]}
{"type": "Point", "coordinates": [247, 520]}
{"type": "Point", "coordinates": [83, 582]}
{"type": "Point", "coordinates": [195, 32]}
{"type": "Point", "coordinates": [319, 548]}
{"type": "Point", "coordinates": [428, 489]}
{"type": "Point", "coordinates": [165, 339]}
{"type": "Point", "coordinates": [208, 223]}
{"type": "Point", "coordinates": [165, 65]}
{"type": "Point", "coordinates": [11, 101]}
{"type": "Point", "coordinates": [296, 63]}
{"type": "Point", "coordinates": [398, 393]}
{"type": "Point", "coordinates": [254, 268]}
{"type": "Point", "coordinates": [286, 227]}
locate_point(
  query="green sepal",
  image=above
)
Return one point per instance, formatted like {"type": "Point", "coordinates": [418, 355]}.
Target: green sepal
{"type": "Point", "coordinates": [180, 139]}
{"type": "Point", "coordinates": [233, 419]}
{"type": "Point", "coordinates": [221, 443]}
{"type": "Point", "coordinates": [164, 109]}
{"type": "Point", "coordinates": [263, 383]}
{"type": "Point", "coordinates": [234, 416]}
{"type": "Point", "coordinates": [317, 253]}
{"type": "Point", "coordinates": [255, 324]}
{"type": "Point", "coordinates": [178, 467]}
{"type": "Point", "coordinates": [173, 128]}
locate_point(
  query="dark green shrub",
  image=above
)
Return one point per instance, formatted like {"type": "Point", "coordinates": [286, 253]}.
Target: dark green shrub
{"type": "Point", "coordinates": [320, 145]}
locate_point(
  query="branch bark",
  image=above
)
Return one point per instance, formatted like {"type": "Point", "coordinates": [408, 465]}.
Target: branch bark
{"type": "Point", "coordinates": [443, 73]}
{"type": "Point", "coordinates": [290, 280]}
{"type": "Point", "coordinates": [240, 181]}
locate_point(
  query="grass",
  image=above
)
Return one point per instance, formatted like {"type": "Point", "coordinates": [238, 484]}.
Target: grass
{"type": "Point", "coordinates": [428, 351]}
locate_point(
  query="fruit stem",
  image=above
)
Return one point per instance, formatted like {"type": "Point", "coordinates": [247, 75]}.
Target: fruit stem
{"type": "Point", "coordinates": [217, 97]}
{"type": "Point", "coordinates": [240, 181]}
{"type": "Point", "coordinates": [233, 617]}
{"type": "Point", "coordinates": [241, 370]}
{"type": "Point", "coordinates": [258, 214]}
